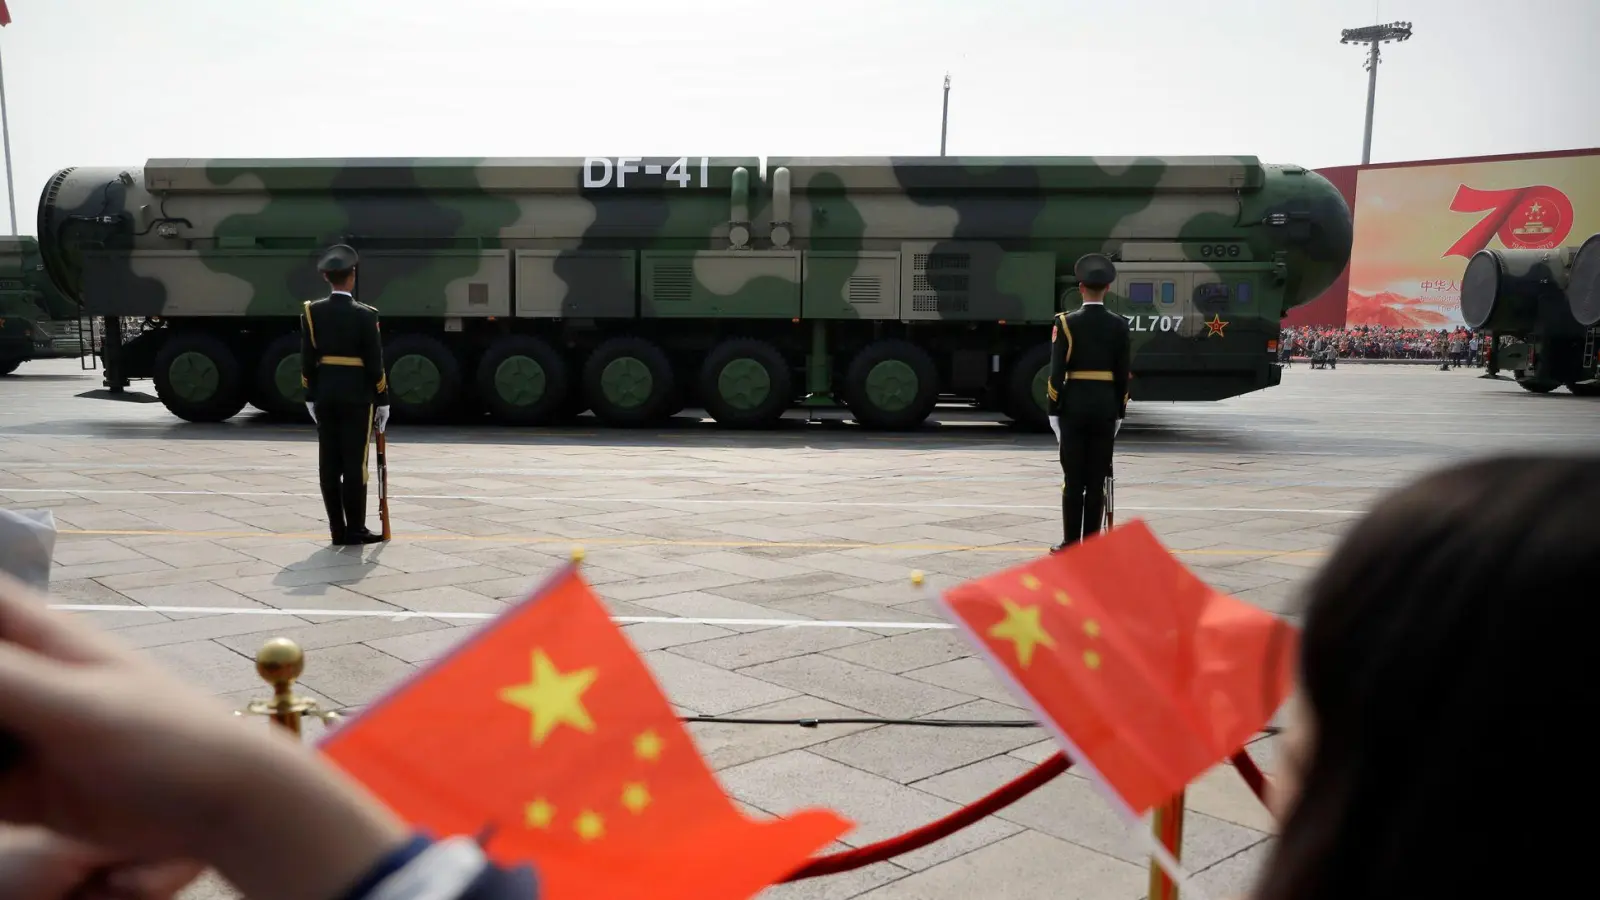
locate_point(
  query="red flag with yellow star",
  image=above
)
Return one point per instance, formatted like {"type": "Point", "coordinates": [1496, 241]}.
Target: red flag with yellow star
{"type": "Point", "coordinates": [546, 734]}
{"type": "Point", "coordinates": [1147, 675]}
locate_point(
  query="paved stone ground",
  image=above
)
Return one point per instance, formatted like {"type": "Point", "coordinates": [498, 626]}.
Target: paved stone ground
{"type": "Point", "coordinates": [812, 522]}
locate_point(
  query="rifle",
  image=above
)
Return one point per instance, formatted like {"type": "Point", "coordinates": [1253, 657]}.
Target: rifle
{"type": "Point", "coordinates": [383, 485]}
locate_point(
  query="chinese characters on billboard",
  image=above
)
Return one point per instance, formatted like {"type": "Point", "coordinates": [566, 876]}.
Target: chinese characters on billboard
{"type": "Point", "coordinates": [1416, 227]}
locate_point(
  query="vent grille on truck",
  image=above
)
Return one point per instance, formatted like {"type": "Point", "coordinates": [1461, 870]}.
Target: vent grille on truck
{"type": "Point", "coordinates": [673, 283]}
{"type": "Point", "coordinates": [940, 282]}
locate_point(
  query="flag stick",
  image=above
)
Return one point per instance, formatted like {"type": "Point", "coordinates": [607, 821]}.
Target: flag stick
{"type": "Point", "coordinates": [5, 134]}
{"type": "Point", "coordinates": [1167, 827]}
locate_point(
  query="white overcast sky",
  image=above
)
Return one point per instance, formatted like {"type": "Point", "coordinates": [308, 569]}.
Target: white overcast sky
{"type": "Point", "coordinates": [115, 82]}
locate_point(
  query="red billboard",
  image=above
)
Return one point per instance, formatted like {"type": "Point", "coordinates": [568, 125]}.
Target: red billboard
{"type": "Point", "coordinates": [1417, 223]}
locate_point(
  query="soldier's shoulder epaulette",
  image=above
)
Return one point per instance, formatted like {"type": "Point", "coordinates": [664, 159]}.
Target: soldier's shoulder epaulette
{"type": "Point", "coordinates": [370, 309]}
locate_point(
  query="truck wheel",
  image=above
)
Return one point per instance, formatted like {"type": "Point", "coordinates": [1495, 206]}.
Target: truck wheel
{"type": "Point", "coordinates": [277, 389]}
{"type": "Point", "coordinates": [891, 385]}
{"type": "Point", "coordinates": [7, 366]}
{"type": "Point", "coordinates": [1592, 389]}
{"type": "Point", "coordinates": [745, 383]}
{"type": "Point", "coordinates": [198, 378]}
{"type": "Point", "coordinates": [522, 380]}
{"type": "Point", "coordinates": [424, 377]}
{"type": "Point", "coordinates": [1537, 386]}
{"type": "Point", "coordinates": [628, 382]}
{"type": "Point", "coordinates": [1025, 389]}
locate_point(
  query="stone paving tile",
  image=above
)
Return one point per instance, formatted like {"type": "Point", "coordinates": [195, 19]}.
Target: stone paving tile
{"type": "Point", "coordinates": [859, 687]}
{"type": "Point", "coordinates": [822, 522]}
{"type": "Point", "coordinates": [1026, 864]}
{"type": "Point", "coordinates": [1071, 808]}
{"type": "Point", "coordinates": [727, 745]}
{"type": "Point", "coordinates": [909, 753]}
{"type": "Point", "coordinates": [881, 808]}
{"type": "Point", "coordinates": [771, 645]}
{"type": "Point", "coordinates": [709, 690]}
{"type": "Point", "coordinates": [901, 653]}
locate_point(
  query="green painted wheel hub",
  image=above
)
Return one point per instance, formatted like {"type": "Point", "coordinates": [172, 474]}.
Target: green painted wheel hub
{"type": "Point", "coordinates": [287, 379]}
{"type": "Point", "coordinates": [626, 382]}
{"type": "Point", "coordinates": [520, 381]}
{"type": "Point", "coordinates": [414, 379]}
{"type": "Point", "coordinates": [744, 383]}
{"type": "Point", "coordinates": [194, 376]}
{"type": "Point", "coordinates": [1041, 379]}
{"type": "Point", "coordinates": [891, 385]}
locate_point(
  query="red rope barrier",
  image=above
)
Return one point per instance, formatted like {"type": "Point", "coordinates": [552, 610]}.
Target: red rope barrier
{"type": "Point", "coordinates": [1004, 796]}
{"type": "Point", "coordinates": [1000, 798]}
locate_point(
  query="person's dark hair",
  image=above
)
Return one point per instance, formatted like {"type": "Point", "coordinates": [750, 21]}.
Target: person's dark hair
{"type": "Point", "coordinates": [1445, 671]}
{"type": "Point", "coordinates": [339, 277]}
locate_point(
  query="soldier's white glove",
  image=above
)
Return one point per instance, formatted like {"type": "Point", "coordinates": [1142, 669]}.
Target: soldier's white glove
{"type": "Point", "coordinates": [382, 418]}
{"type": "Point", "coordinates": [1055, 426]}
{"type": "Point", "coordinates": [1118, 428]}
{"type": "Point", "coordinates": [311, 410]}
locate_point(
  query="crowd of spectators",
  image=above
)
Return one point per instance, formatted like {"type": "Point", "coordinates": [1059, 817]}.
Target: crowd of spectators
{"type": "Point", "coordinates": [1458, 346]}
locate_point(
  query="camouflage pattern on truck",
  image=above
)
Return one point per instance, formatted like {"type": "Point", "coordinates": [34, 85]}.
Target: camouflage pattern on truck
{"type": "Point", "coordinates": [36, 320]}
{"type": "Point", "coordinates": [637, 286]}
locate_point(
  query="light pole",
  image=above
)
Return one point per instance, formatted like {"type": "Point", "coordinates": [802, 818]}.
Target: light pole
{"type": "Point", "coordinates": [944, 120]}
{"type": "Point", "coordinates": [1373, 35]}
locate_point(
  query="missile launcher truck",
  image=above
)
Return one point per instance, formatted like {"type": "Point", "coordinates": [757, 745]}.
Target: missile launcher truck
{"type": "Point", "coordinates": [36, 320]}
{"type": "Point", "coordinates": [1541, 310]}
{"type": "Point", "coordinates": [636, 287]}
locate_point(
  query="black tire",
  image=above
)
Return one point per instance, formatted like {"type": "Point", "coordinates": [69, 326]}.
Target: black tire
{"type": "Point", "coordinates": [7, 366]}
{"type": "Point", "coordinates": [424, 378]}
{"type": "Point", "coordinates": [1591, 389]}
{"type": "Point", "coordinates": [276, 388]}
{"type": "Point", "coordinates": [199, 378]}
{"type": "Point", "coordinates": [636, 362]}
{"type": "Point", "coordinates": [909, 401]}
{"type": "Point", "coordinates": [746, 383]}
{"type": "Point", "coordinates": [522, 380]}
{"type": "Point", "coordinates": [1537, 386]}
{"type": "Point", "coordinates": [1022, 400]}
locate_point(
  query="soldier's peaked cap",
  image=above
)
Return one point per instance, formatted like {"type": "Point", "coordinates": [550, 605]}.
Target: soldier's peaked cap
{"type": "Point", "coordinates": [1095, 269]}
{"type": "Point", "coordinates": [338, 258]}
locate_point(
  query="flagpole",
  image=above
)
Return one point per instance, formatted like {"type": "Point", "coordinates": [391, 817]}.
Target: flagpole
{"type": "Point", "coordinates": [5, 134]}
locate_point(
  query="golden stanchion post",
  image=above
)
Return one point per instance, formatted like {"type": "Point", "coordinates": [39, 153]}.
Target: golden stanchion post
{"type": "Point", "coordinates": [280, 662]}
{"type": "Point", "coordinates": [1167, 823]}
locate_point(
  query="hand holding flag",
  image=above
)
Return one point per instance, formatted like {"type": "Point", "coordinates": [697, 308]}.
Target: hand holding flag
{"type": "Point", "coordinates": [546, 735]}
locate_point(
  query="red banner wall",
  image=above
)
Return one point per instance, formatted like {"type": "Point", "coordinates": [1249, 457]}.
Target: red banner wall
{"type": "Point", "coordinates": [1332, 306]}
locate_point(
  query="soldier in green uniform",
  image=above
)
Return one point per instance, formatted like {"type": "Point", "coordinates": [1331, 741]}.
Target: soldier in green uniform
{"type": "Point", "coordinates": [1088, 396]}
{"type": "Point", "coordinates": [347, 392]}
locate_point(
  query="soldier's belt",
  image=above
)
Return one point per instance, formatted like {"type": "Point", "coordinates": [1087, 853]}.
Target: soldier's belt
{"type": "Point", "coordinates": [342, 361]}
{"type": "Point", "coordinates": [1091, 375]}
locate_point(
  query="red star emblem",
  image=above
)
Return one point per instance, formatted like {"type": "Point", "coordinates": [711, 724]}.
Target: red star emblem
{"type": "Point", "coordinates": [1215, 326]}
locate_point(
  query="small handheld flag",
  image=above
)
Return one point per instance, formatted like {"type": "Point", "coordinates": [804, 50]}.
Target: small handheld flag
{"type": "Point", "coordinates": [546, 735]}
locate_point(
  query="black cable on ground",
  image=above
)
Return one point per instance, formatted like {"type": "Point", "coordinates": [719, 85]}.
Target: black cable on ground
{"type": "Point", "coordinates": [1268, 730]}
{"type": "Point", "coordinates": [809, 722]}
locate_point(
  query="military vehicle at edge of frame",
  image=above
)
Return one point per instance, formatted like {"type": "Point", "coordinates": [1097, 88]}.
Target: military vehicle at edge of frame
{"type": "Point", "coordinates": [636, 287]}
{"type": "Point", "coordinates": [1541, 309]}
{"type": "Point", "coordinates": [36, 320]}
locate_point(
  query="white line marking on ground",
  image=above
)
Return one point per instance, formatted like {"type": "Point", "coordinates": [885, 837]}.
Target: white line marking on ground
{"type": "Point", "coordinates": [402, 615]}
{"type": "Point", "coordinates": [667, 501]}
